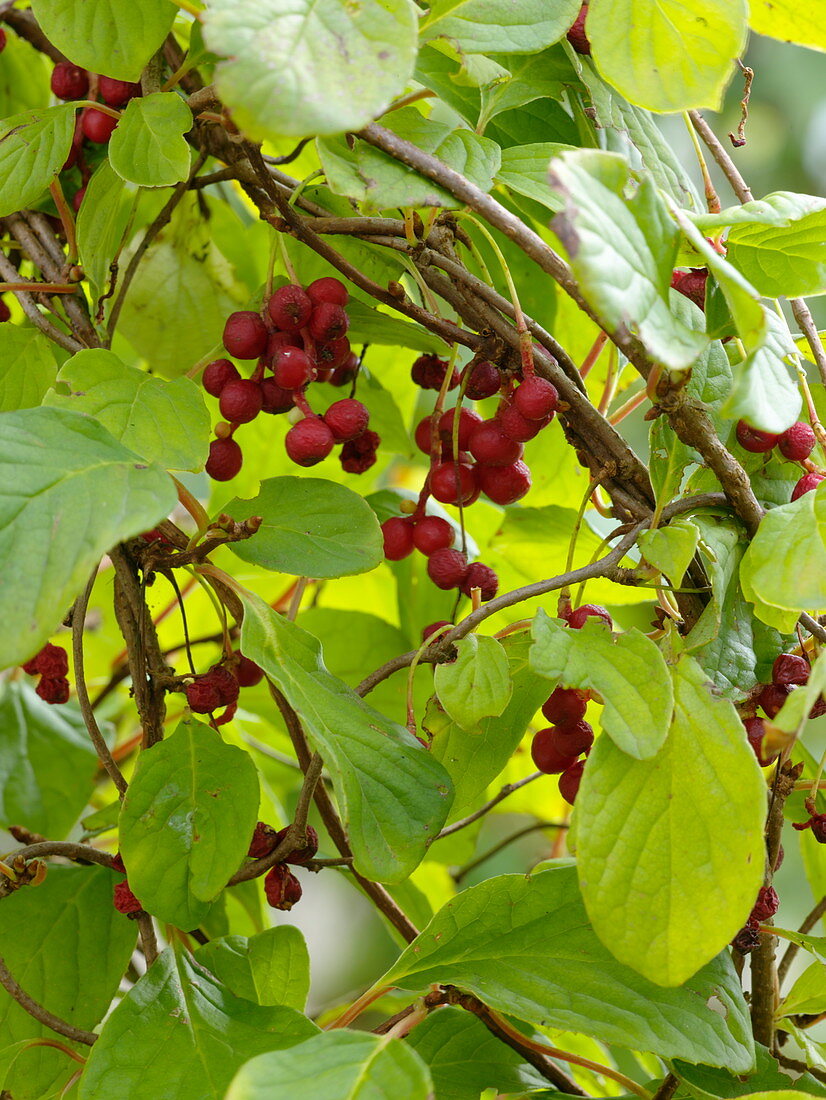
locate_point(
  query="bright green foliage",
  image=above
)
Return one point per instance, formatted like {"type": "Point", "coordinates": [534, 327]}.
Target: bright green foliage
{"type": "Point", "coordinates": [670, 549]}
{"type": "Point", "coordinates": [786, 20]}
{"type": "Point", "coordinates": [763, 393]}
{"type": "Point", "coordinates": [477, 684]}
{"type": "Point", "coordinates": [27, 368]}
{"type": "Point", "coordinates": [270, 968]}
{"type": "Point", "coordinates": [483, 25]}
{"type": "Point", "coordinates": [101, 222]}
{"type": "Point", "coordinates": [33, 146]}
{"type": "Point", "coordinates": [147, 146]}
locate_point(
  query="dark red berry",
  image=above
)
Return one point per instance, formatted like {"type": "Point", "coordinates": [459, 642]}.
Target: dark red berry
{"type": "Point", "coordinates": [344, 375]}
{"type": "Point", "coordinates": [124, 900]}
{"type": "Point", "coordinates": [309, 441]}
{"type": "Point", "coordinates": [117, 93]}
{"type": "Point", "coordinates": [430, 630]}
{"type": "Point", "coordinates": [565, 706]}
{"type": "Point", "coordinates": [217, 374]}
{"type": "Point", "coordinates": [241, 401]}
{"type": "Point", "coordinates": [225, 459]}
{"type": "Point", "coordinates": [692, 284]}
{"type": "Point", "coordinates": [569, 781]}
{"type": "Point", "coordinates": [574, 739]}
{"type": "Point", "coordinates": [482, 577]}
{"type": "Point", "coordinates": [346, 419]}
{"type": "Point", "coordinates": [281, 887]}
{"type": "Point", "coordinates": [77, 199]}
{"type": "Point", "coordinates": [755, 732]}
{"type": "Point", "coordinates": [579, 40]}
{"type": "Point", "coordinates": [423, 434]}
{"type": "Point", "coordinates": [429, 372]}
{"type": "Point", "coordinates": [517, 427]}
{"type": "Point", "coordinates": [334, 353]}
{"type": "Point", "coordinates": [328, 289]}
{"type": "Point", "coordinates": [97, 126]}
{"type": "Point", "coordinates": [52, 662]}
{"type": "Point", "coordinates": [274, 399]}
{"type": "Point", "coordinates": [790, 669]}
{"type": "Point", "coordinates": [752, 439]}
{"type": "Point", "coordinates": [264, 840]}
{"type": "Point", "coordinates": [69, 81]}
{"type": "Point", "coordinates": [215, 688]}
{"type": "Point", "coordinates": [817, 823]}
{"type": "Point", "coordinates": [505, 484]}
{"type": "Point", "coordinates": [245, 334]}
{"type": "Point", "coordinates": [278, 340]}
{"type": "Point", "coordinates": [447, 568]}
{"type": "Point", "coordinates": [2, 40]}
{"type": "Point", "coordinates": [772, 698]}
{"type": "Point", "coordinates": [118, 864]}
{"type": "Point", "coordinates": [290, 307]}
{"type": "Point", "coordinates": [806, 484]}
{"type": "Point", "coordinates": [453, 483]}
{"type": "Point", "coordinates": [766, 905]}
{"type": "Point", "coordinates": [247, 672]}
{"type": "Point", "coordinates": [578, 618]}
{"type": "Point", "coordinates": [292, 368]}
{"type": "Point", "coordinates": [327, 322]}
{"type": "Point", "coordinates": [797, 442]}
{"type": "Point", "coordinates": [546, 755]}
{"type": "Point", "coordinates": [432, 533]}
{"type": "Point", "coordinates": [467, 422]}
{"type": "Point", "coordinates": [5, 312]}
{"type": "Point", "coordinates": [491, 447]}
{"type": "Point", "coordinates": [397, 533]}
{"type": "Point", "coordinates": [484, 381]}
{"type": "Point", "coordinates": [747, 939]}
{"type": "Point", "coordinates": [360, 454]}
{"type": "Point", "coordinates": [53, 689]}
{"type": "Point", "coordinates": [302, 855]}
{"type": "Point", "coordinates": [536, 398]}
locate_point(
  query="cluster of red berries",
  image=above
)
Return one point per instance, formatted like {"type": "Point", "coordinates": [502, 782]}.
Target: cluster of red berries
{"type": "Point", "coordinates": [767, 904]}
{"type": "Point", "coordinates": [220, 686]}
{"type": "Point", "coordinates": [301, 336]}
{"type": "Point", "coordinates": [557, 748]}
{"type": "Point", "coordinates": [281, 886]}
{"type": "Point", "coordinates": [51, 664]}
{"type": "Point", "coordinates": [789, 672]}
{"type": "Point", "coordinates": [446, 567]}
{"type": "Point", "coordinates": [123, 899]}
{"type": "Point", "coordinates": [796, 444]}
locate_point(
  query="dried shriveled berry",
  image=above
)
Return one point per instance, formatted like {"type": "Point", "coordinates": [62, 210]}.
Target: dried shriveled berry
{"type": "Point", "coordinates": [536, 398]}
{"type": "Point", "coordinates": [360, 454]}
{"type": "Point", "coordinates": [766, 905]}
{"type": "Point", "coordinates": [578, 617]}
{"type": "Point", "coordinates": [290, 307]}
{"type": "Point", "coordinates": [429, 372]}
{"type": "Point", "coordinates": [432, 533]}
{"type": "Point", "coordinates": [546, 755]}
{"type": "Point", "coordinates": [347, 419]}
{"type": "Point", "coordinates": [505, 484]}
{"type": "Point", "coordinates": [118, 864]}
{"type": "Point", "coordinates": [747, 939]}
{"type": "Point", "coordinates": [281, 887]}
{"type": "Point", "coordinates": [772, 698]}
{"type": "Point", "coordinates": [241, 401]}
{"type": "Point", "coordinates": [309, 441]}
{"type": "Point", "coordinates": [245, 334]}
{"type": "Point", "coordinates": [52, 661]}
{"type": "Point", "coordinates": [447, 568]}
{"type": "Point", "coordinates": [806, 484]}
{"type": "Point", "coordinates": [569, 781]}
{"type": "Point", "coordinates": [797, 442]}
{"type": "Point", "coordinates": [752, 439]}
{"type": "Point", "coordinates": [53, 689]}
{"type": "Point", "coordinates": [790, 669]}
{"type": "Point", "coordinates": [124, 900]}
{"type": "Point", "coordinates": [692, 284]}
{"type": "Point", "coordinates": [217, 374]}
{"type": "Point", "coordinates": [397, 533]}
{"type": "Point", "coordinates": [215, 688]}
{"type": "Point", "coordinates": [482, 577]}
{"type": "Point", "coordinates": [264, 840]}
{"type": "Point", "coordinates": [225, 459]}
{"type": "Point", "coordinates": [565, 706]}
{"type": "Point", "coordinates": [302, 855]}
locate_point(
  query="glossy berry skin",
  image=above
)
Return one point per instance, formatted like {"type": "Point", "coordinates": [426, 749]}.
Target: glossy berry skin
{"type": "Point", "coordinates": [467, 423]}
{"type": "Point", "coordinates": [347, 419]}
{"type": "Point", "coordinates": [565, 706]}
{"type": "Point", "coordinates": [309, 441]}
{"type": "Point", "coordinates": [117, 93]}
{"type": "Point", "coordinates": [484, 381]}
{"type": "Point", "coordinates": [360, 454]}
{"type": "Point", "coordinates": [97, 126]}
{"type": "Point", "coordinates": [423, 434]}
{"type": "Point", "coordinates": [755, 732]}
{"type": "Point", "coordinates": [344, 375]}
{"type": "Point", "coordinates": [546, 755]}
{"type": "Point", "coordinates": [505, 484]}
{"type": "Point", "coordinates": [431, 629]}
{"type": "Point", "coordinates": [753, 440]}
{"type": "Point", "coordinates": [69, 81]}
{"type": "Point", "coordinates": [245, 334]}
{"type": "Point", "coordinates": [790, 669]}
{"type": "Point", "coordinates": [217, 374]}
{"type": "Point", "coordinates": [517, 427]}
{"type": "Point", "coordinates": [53, 689]}
{"type": "Point", "coordinates": [240, 401]}
{"type": "Point", "coordinates": [281, 887]}
{"type": "Point", "coordinates": [806, 484]}
{"type": "Point", "coordinates": [692, 284]}
{"type": "Point", "coordinates": [124, 900]}
{"type": "Point", "coordinates": [328, 322]}
{"type": "Point", "coordinates": [772, 698]}
{"type": "Point", "coordinates": [447, 568]}
{"type": "Point", "coordinates": [797, 442]}
{"type": "Point", "coordinates": [578, 618]}
{"type": "Point", "coordinates": [303, 855]}
{"type": "Point", "coordinates": [328, 289]}
{"type": "Point", "coordinates": [264, 840]}
{"type": "Point", "coordinates": [246, 671]}
{"type": "Point", "coordinates": [333, 354]}
{"type": "Point", "coordinates": [491, 447]}
{"type": "Point", "coordinates": [536, 398]}
{"type": "Point", "coordinates": [397, 533]}
{"type": "Point", "coordinates": [574, 739]}
{"type": "Point", "coordinates": [290, 308]}
{"type": "Point", "coordinates": [275, 399]}
{"type": "Point", "coordinates": [579, 40]}
{"type": "Point", "coordinates": [569, 781]}
{"type": "Point", "coordinates": [225, 459]}
{"type": "Point", "coordinates": [482, 577]}
{"type": "Point", "coordinates": [452, 483]}
{"type": "Point", "coordinates": [292, 369]}
{"type": "Point", "coordinates": [432, 533]}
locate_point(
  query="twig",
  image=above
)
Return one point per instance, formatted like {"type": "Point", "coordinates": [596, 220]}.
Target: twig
{"type": "Point", "coordinates": [508, 789]}
{"type": "Point", "coordinates": [41, 1014]}
{"type": "Point", "coordinates": [485, 856]}
{"type": "Point", "coordinates": [149, 941]}
{"type": "Point", "coordinates": [29, 307]}
{"type": "Point", "coordinates": [64, 849]}
{"type": "Point", "coordinates": [793, 948]}
{"type": "Point", "coordinates": [667, 1088]}
{"type": "Point", "coordinates": [739, 139]}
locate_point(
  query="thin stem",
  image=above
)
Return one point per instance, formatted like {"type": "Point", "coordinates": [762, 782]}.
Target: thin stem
{"type": "Point", "coordinates": [41, 1014]}
{"type": "Point", "coordinates": [67, 219]}
{"type": "Point", "coordinates": [594, 354]}
{"type": "Point", "coordinates": [628, 407]}
{"type": "Point", "coordinates": [485, 856]}
{"type": "Point", "coordinates": [297, 596]}
{"type": "Point", "coordinates": [712, 198]}
{"type": "Point", "coordinates": [149, 941]}
{"type": "Point", "coordinates": [793, 948]}
{"type": "Point", "coordinates": [508, 789]}
{"type": "Point", "coordinates": [359, 1005]}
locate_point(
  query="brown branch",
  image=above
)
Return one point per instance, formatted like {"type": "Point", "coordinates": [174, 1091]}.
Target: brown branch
{"type": "Point", "coordinates": [41, 1014]}
{"type": "Point", "coordinates": [793, 948]}
{"type": "Point", "coordinates": [24, 24]}
{"type": "Point", "coordinates": [29, 307]}
{"type": "Point", "coordinates": [667, 1088]}
{"type": "Point", "coordinates": [149, 941]}
{"type": "Point", "coordinates": [64, 849]}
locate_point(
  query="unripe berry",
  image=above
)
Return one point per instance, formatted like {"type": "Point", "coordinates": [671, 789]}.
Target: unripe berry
{"type": "Point", "coordinates": [328, 289]}
{"type": "Point", "coordinates": [505, 484]}
{"type": "Point", "coordinates": [692, 284]}
{"type": "Point", "coordinates": [245, 334]}
{"type": "Point", "coordinates": [447, 568]}
{"type": "Point", "coordinates": [482, 577]}
{"type": "Point", "coordinates": [240, 401]}
{"type": "Point", "coordinates": [309, 441]}
{"type": "Point", "coordinates": [217, 374]}
{"type": "Point", "coordinates": [69, 81]}
{"type": "Point", "coordinates": [574, 739]}
{"type": "Point", "coordinates": [327, 322]}
{"type": "Point", "coordinates": [53, 689]}
{"type": "Point", "coordinates": [432, 533]}
{"type": "Point", "coordinates": [360, 454]}
{"type": "Point", "coordinates": [97, 126]}
{"type": "Point", "coordinates": [397, 533]}
{"type": "Point", "coordinates": [565, 706]}
{"type": "Point", "coordinates": [225, 459]}
{"type": "Point", "coordinates": [346, 419]}
{"type": "Point", "coordinates": [578, 618]}
{"type": "Point", "coordinates": [274, 399]}
{"type": "Point", "coordinates": [569, 781]}
{"type": "Point", "coordinates": [797, 442]}
{"type": "Point", "coordinates": [467, 422]}
{"type": "Point", "coordinates": [536, 398]}
{"type": "Point", "coordinates": [806, 484]}
{"type": "Point", "coordinates": [579, 40]}
{"type": "Point", "coordinates": [290, 307]}
{"type": "Point", "coordinates": [264, 840]}
{"type": "Point", "coordinates": [117, 93]}
{"type": "Point", "coordinates": [281, 887]}
{"type": "Point", "coordinates": [517, 427]}
{"type": "Point", "coordinates": [753, 440]}
{"type": "Point", "coordinates": [484, 381]}
{"type": "Point", "coordinates": [453, 483]}
{"type": "Point", "coordinates": [491, 447]}
{"type": "Point", "coordinates": [292, 369]}
{"type": "Point", "coordinates": [546, 755]}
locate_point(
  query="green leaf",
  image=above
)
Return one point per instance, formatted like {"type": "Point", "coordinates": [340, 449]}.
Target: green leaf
{"type": "Point", "coordinates": [148, 146]}
{"type": "Point", "coordinates": [186, 822]}
{"type": "Point", "coordinates": [627, 670]}
{"type": "Point", "coordinates": [788, 21]}
{"type": "Point", "coordinates": [204, 1032]}
{"type": "Point", "coordinates": [311, 527]}
{"type": "Point", "coordinates": [370, 326]}
{"type": "Point", "coordinates": [485, 26]}
{"type": "Point", "coordinates": [622, 249]}
{"type": "Point", "coordinates": [783, 262]}
{"type": "Point", "coordinates": [635, 46]}
{"type": "Point", "coordinates": [68, 947]}
{"type": "Point", "coordinates": [808, 994]}
{"type": "Point", "coordinates": [106, 36]}
{"type": "Point", "coordinates": [337, 1065]}
{"type": "Point", "coordinates": [669, 457]}
{"type": "Point", "coordinates": [163, 422]}
{"type": "Point", "coordinates": [653, 835]}
{"type": "Point", "coordinates": [44, 750]}
{"type": "Point", "coordinates": [764, 393]}
{"type": "Point", "coordinates": [24, 78]}
{"type": "Point", "coordinates": [523, 80]}
{"type": "Point", "coordinates": [477, 684]}
{"type": "Point", "coordinates": [27, 367]}
{"type": "Point", "coordinates": [33, 148]}
{"type": "Point", "coordinates": [311, 66]}
{"type": "Point", "coordinates": [525, 170]}
{"type": "Point", "coordinates": [63, 474]}
{"type": "Point", "coordinates": [270, 968]}
{"type": "Point", "coordinates": [101, 223]}
{"type": "Point", "coordinates": [393, 796]}
{"type": "Point", "coordinates": [709, 1083]}
{"type": "Point", "coordinates": [670, 549]}
{"type": "Point", "coordinates": [525, 947]}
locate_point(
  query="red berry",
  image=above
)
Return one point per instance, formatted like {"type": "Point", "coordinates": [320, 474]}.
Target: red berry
{"type": "Point", "coordinates": [77, 199]}
{"type": "Point", "coordinates": [574, 739]}
{"type": "Point", "coordinates": [344, 375]}
{"type": "Point", "coordinates": [484, 381]}
{"type": "Point", "coordinates": [118, 864]}
{"type": "Point", "coordinates": [797, 442]}
{"type": "Point", "coordinates": [292, 368]}
{"type": "Point", "coordinates": [334, 353]}
{"type": "Point", "coordinates": [482, 577]}
{"type": "Point", "coordinates": [264, 840]}
{"type": "Point", "coordinates": [290, 307]}
{"type": "Point", "coordinates": [569, 781]}
{"type": "Point", "coordinates": [328, 322]}
{"type": "Point", "coordinates": [117, 93]}
{"type": "Point", "coordinates": [772, 698]}
{"type": "Point", "coordinates": [766, 905]}
{"type": "Point", "coordinates": [53, 689]}
{"type": "Point", "coordinates": [274, 399]}
{"type": "Point", "coordinates": [2, 40]}
{"type": "Point", "coordinates": [360, 454]}
{"type": "Point", "coordinates": [505, 484]}
{"type": "Point", "coordinates": [124, 900]}
{"type": "Point", "coordinates": [245, 334]}
{"type": "Point", "coordinates": [225, 459]}
{"type": "Point", "coordinates": [346, 419]}
{"type": "Point", "coordinates": [453, 482]}
{"type": "Point", "coordinates": [5, 312]}
{"type": "Point", "coordinates": [517, 427]}
{"type": "Point", "coordinates": [692, 284]}
{"type": "Point", "coordinates": [536, 398]}
{"type": "Point", "coordinates": [429, 372]}
{"type": "Point", "coordinates": [97, 126]}
{"type": "Point", "coordinates": [215, 688]}
{"type": "Point", "coordinates": [398, 537]}
{"type": "Point", "coordinates": [491, 447]}
{"type": "Point", "coordinates": [430, 630]}
{"type": "Point", "coordinates": [753, 440]}
{"type": "Point", "coordinates": [578, 618]}
{"type": "Point", "coordinates": [328, 289]}
{"type": "Point", "coordinates": [309, 441]}
{"type": "Point", "coordinates": [69, 81]}
{"type": "Point", "coordinates": [447, 568]}
{"type": "Point", "coordinates": [565, 706]}
{"type": "Point", "coordinates": [546, 755]}
{"type": "Point", "coordinates": [579, 40]}
{"type": "Point", "coordinates": [423, 434]}
{"type": "Point", "coordinates": [755, 731]}
{"type": "Point", "coordinates": [790, 669]}
{"type": "Point", "coordinates": [806, 484]}
{"type": "Point", "coordinates": [282, 888]}
{"type": "Point", "coordinates": [304, 854]}
{"type": "Point", "coordinates": [51, 662]}
{"type": "Point", "coordinates": [432, 533]}
{"type": "Point", "coordinates": [747, 939]}
{"type": "Point", "coordinates": [241, 401]}
{"type": "Point", "coordinates": [467, 422]}
{"type": "Point", "coordinates": [217, 374]}
{"type": "Point", "coordinates": [278, 340]}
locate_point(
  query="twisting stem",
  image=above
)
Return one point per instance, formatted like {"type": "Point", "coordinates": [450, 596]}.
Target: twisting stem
{"type": "Point", "coordinates": [41, 1014]}
{"type": "Point", "coordinates": [509, 788]}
